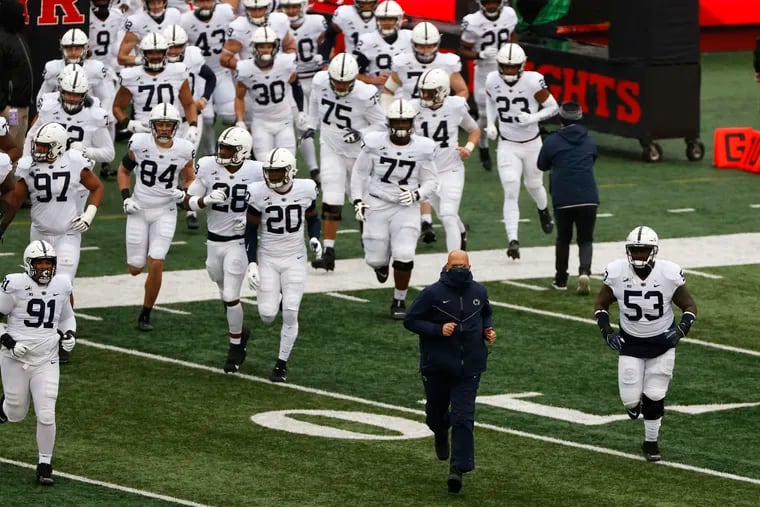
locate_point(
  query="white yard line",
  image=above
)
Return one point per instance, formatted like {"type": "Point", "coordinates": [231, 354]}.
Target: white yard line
{"type": "Point", "coordinates": [86, 316]}
{"type": "Point", "coordinates": [681, 210]}
{"type": "Point", "coordinates": [523, 285]}
{"type": "Point", "coordinates": [109, 485]}
{"type": "Point", "coordinates": [171, 310]}
{"type": "Point", "coordinates": [89, 248]}
{"type": "Point", "coordinates": [346, 297]}
{"type": "Point", "coordinates": [702, 274]}
{"type": "Point", "coordinates": [345, 397]}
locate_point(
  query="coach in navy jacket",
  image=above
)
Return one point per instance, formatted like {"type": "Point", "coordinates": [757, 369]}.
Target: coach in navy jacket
{"type": "Point", "coordinates": [453, 320]}
{"type": "Point", "coordinates": [570, 154]}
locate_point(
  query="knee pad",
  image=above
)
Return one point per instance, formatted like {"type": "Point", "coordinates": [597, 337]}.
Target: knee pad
{"type": "Point", "coordinates": [46, 416]}
{"type": "Point", "coordinates": [651, 409]}
{"type": "Point", "coordinates": [15, 412]}
{"type": "Point", "coordinates": [403, 266]}
{"type": "Point", "coordinates": [267, 319]}
{"type": "Point", "coordinates": [290, 317]}
{"type": "Point", "coordinates": [331, 212]}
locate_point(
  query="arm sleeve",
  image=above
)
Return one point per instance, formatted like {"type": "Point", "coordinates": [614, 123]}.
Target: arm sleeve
{"type": "Point", "coordinates": [328, 43]}
{"type": "Point", "coordinates": [490, 110]}
{"type": "Point", "coordinates": [297, 94]}
{"type": "Point", "coordinates": [313, 111]}
{"type": "Point", "coordinates": [314, 226]}
{"type": "Point", "coordinates": [549, 108]}
{"type": "Point", "coordinates": [251, 237]}
{"type": "Point", "coordinates": [360, 175]}
{"type": "Point", "coordinates": [208, 75]}
{"type": "Point", "coordinates": [362, 61]}
{"type": "Point", "coordinates": [375, 117]}
{"type": "Point", "coordinates": [468, 124]}
{"type": "Point", "coordinates": [428, 180]}
{"type": "Point", "coordinates": [487, 313]}
{"type": "Point", "coordinates": [101, 149]}
{"type": "Point", "coordinates": [415, 320]}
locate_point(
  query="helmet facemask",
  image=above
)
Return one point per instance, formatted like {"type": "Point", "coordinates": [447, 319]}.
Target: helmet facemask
{"type": "Point", "coordinates": [72, 102]}
{"type": "Point", "coordinates": [156, 9]}
{"type": "Point", "coordinates": [204, 9]}
{"type": "Point", "coordinates": [511, 73]}
{"type": "Point", "coordinates": [365, 8]}
{"type": "Point", "coordinates": [163, 130]}
{"type": "Point", "coordinates": [228, 154]}
{"type": "Point", "coordinates": [155, 60]}
{"type": "Point", "coordinates": [176, 53]}
{"type": "Point", "coordinates": [491, 9]}
{"type": "Point", "coordinates": [641, 256]}
{"type": "Point", "coordinates": [42, 269]}
{"type": "Point", "coordinates": [401, 129]}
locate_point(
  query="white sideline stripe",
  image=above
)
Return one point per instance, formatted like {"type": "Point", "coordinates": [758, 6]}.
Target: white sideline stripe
{"type": "Point", "coordinates": [87, 316]}
{"type": "Point", "coordinates": [89, 248]}
{"type": "Point", "coordinates": [170, 310]}
{"type": "Point", "coordinates": [346, 297]}
{"type": "Point", "coordinates": [108, 485]}
{"type": "Point", "coordinates": [702, 274]}
{"type": "Point", "coordinates": [547, 313]}
{"type": "Point", "coordinates": [523, 285]}
{"type": "Point", "coordinates": [754, 205]}
{"type": "Point", "coordinates": [379, 404]}
{"type": "Point", "coordinates": [249, 301]}
{"type": "Point", "coordinates": [605, 215]}
{"type": "Point", "coordinates": [7, 254]}
{"type": "Point", "coordinates": [348, 231]}
{"type": "Point", "coordinates": [179, 242]}
{"type": "Point", "coordinates": [681, 210]}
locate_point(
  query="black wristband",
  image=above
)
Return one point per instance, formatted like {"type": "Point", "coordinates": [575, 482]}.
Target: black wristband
{"type": "Point", "coordinates": [122, 124]}
{"type": "Point", "coordinates": [125, 194]}
{"type": "Point", "coordinates": [193, 123]}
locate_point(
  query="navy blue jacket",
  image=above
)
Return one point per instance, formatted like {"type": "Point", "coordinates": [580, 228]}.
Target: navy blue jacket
{"type": "Point", "coordinates": [464, 352]}
{"type": "Point", "coordinates": [570, 154]}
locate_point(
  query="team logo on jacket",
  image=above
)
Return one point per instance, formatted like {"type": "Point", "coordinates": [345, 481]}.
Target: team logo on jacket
{"type": "Point", "coordinates": [476, 302]}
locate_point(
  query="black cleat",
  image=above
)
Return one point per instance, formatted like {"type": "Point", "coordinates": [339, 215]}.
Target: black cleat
{"type": "Point", "coordinates": [464, 237]}
{"type": "Point", "coordinates": [45, 474]}
{"type": "Point", "coordinates": [547, 224]}
{"type": "Point", "coordinates": [651, 451]}
{"type": "Point", "coordinates": [327, 262]}
{"type": "Point", "coordinates": [442, 446]}
{"type": "Point", "coordinates": [236, 354]}
{"type": "Point", "coordinates": [455, 480]}
{"type": "Point", "coordinates": [192, 222]}
{"type": "Point", "coordinates": [280, 371]}
{"type": "Point", "coordinates": [634, 412]}
{"type": "Point", "coordinates": [485, 158]}
{"type": "Point", "coordinates": [143, 324]}
{"type": "Point", "coordinates": [3, 417]}
{"type": "Point", "coordinates": [513, 250]}
{"type": "Point", "coordinates": [382, 274]}
{"type": "Point", "coordinates": [398, 309]}
{"type": "Point", "coordinates": [427, 233]}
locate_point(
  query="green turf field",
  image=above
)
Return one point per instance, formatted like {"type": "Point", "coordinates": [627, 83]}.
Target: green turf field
{"type": "Point", "coordinates": [149, 418]}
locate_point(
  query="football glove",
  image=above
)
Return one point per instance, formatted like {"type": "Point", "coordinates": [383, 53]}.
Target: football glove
{"type": "Point", "coordinates": [491, 132]}
{"type": "Point", "coordinates": [302, 121]}
{"type": "Point", "coordinates": [488, 53]}
{"type": "Point", "coordinates": [192, 134]}
{"type": "Point", "coordinates": [613, 339]}
{"type": "Point", "coordinates": [130, 206]}
{"type": "Point", "coordinates": [352, 136]}
{"type": "Point", "coordinates": [360, 210]}
{"type": "Point", "coordinates": [408, 197]}
{"type": "Point", "coordinates": [17, 349]}
{"type": "Point", "coordinates": [308, 134]}
{"type": "Point", "coordinates": [316, 247]}
{"type": "Point", "coordinates": [81, 223]}
{"type": "Point", "coordinates": [217, 196]}
{"type": "Point", "coordinates": [524, 118]}
{"type": "Point", "coordinates": [137, 128]}
{"type": "Point", "coordinates": [177, 194]}
{"type": "Point", "coordinates": [241, 125]}
{"type": "Point", "coordinates": [68, 340]}
{"type": "Point", "coordinates": [77, 145]}
{"type": "Point", "coordinates": [253, 276]}
{"type": "Point", "coordinates": [239, 228]}
{"type": "Point", "coordinates": [675, 333]}
{"type": "Point", "coordinates": [315, 176]}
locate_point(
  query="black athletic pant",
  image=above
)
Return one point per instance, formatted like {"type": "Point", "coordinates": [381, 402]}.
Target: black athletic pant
{"type": "Point", "coordinates": [584, 219]}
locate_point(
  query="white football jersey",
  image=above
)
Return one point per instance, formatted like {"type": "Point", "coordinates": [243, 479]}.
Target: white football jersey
{"type": "Point", "coordinates": [33, 313]}
{"type": "Point", "coordinates": [307, 45]}
{"type": "Point", "coordinates": [282, 216]}
{"type": "Point", "coordinates": [334, 115]}
{"type": "Point", "coordinates": [5, 166]}
{"type": "Point", "coordinates": [210, 35]}
{"type": "Point", "coordinates": [193, 61]}
{"type": "Point", "coordinates": [352, 25]}
{"type": "Point", "coordinates": [645, 305]}
{"type": "Point", "coordinates": [180, 5]}
{"type": "Point", "coordinates": [485, 33]}
{"type": "Point", "coordinates": [511, 100]}
{"type": "Point", "coordinates": [54, 189]}
{"type": "Point", "coordinates": [242, 30]}
{"type": "Point", "coordinates": [383, 168]}
{"type": "Point", "coordinates": [409, 70]}
{"type": "Point", "coordinates": [104, 38]}
{"type": "Point", "coordinates": [442, 126]}
{"type": "Point", "coordinates": [99, 78]}
{"type": "Point", "coordinates": [269, 88]}
{"type": "Point", "coordinates": [141, 24]}
{"type": "Point", "coordinates": [149, 90]}
{"type": "Point", "coordinates": [381, 54]}
{"type": "Point", "coordinates": [209, 175]}
{"type": "Point", "coordinates": [3, 126]}
{"type": "Point", "coordinates": [158, 169]}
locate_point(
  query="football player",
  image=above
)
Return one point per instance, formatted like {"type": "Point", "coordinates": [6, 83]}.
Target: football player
{"type": "Point", "coordinates": [37, 305]}
{"type": "Point", "coordinates": [352, 21]}
{"type": "Point", "coordinates": [282, 204]}
{"type": "Point", "coordinates": [440, 117]}
{"type": "Point", "coordinates": [240, 32]}
{"type": "Point", "coordinates": [220, 186]}
{"type": "Point", "coordinates": [519, 99]}
{"type": "Point", "coordinates": [484, 32]}
{"type": "Point", "coordinates": [377, 49]}
{"type": "Point", "coordinates": [308, 30]}
{"type": "Point", "coordinates": [644, 288]}
{"type": "Point", "coordinates": [7, 145]}
{"type": "Point", "coordinates": [269, 81]}
{"type": "Point", "coordinates": [344, 109]}
{"type": "Point", "coordinates": [394, 171]}
{"type": "Point", "coordinates": [154, 18]}
{"type": "Point", "coordinates": [158, 160]}
{"type": "Point", "coordinates": [155, 82]}
{"type": "Point", "coordinates": [7, 177]}
{"type": "Point", "coordinates": [206, 27]}
{"type": "Point", "coordinates": [105, 23]}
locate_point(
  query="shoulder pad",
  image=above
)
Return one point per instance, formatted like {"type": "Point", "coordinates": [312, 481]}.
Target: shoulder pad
{"type": "Point", "coordinates": [458, 102]}
{"type": "Point", "coordinates": [614, 270]}
{"type": "Point", "coordinates": [185, 148]}
{"type": "Point", "coordinates": [49, 101]}
{"type": "Point", "coordinates": [363, 90]}
{"type": "Point", "coordinates": [671, 270]}
{"type": "Point", "coordinates": [321, 78]}
{"type": "Point", "coordinates": [375, 139]}
{"type": "Point", "coordinates": [9, 283]}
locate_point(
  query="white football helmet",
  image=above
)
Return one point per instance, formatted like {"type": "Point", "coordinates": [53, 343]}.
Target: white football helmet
{"type": "Point", "coordinates": [343, 69]}
{"type": "Point", "coordinates": [161, 114]}
{"type": "Point", "coordinates": [400, 115]}
{"type": "Point", "coordinates": [176, 37]}
{"type": "Point", "coordinates": [264, 35]}
{"type": "Point", "coordinates": [365, 8]}
{"type": "Point", "coordinates": [494, 8]}
{"type": "Point", "coordinates": [641, 239]}
{"type": "Point", "coordinates": [155, 44]}
{"type": "Point", "coordinates": [74, 46]}
{"type": "Point", "coordinates": [36, 251]}
{"type": "Point", "coordinates": [157, 11]}
{"type": "Point", "coordinates": [53, 135]}
{"type": "Point", "coordinates": [204, 9]}
{"type": "Point", "coordinates": [302, 6]}
{"type": "Point", "coordinates": [257, 4]}
{"type": "Point", "coordinates": [239, 140]}
{"type": "Point", "coordinates": [511, 56]}
{"type": "Point", "coordinates": [425, 41]}
{"type": "Point", "coordinates": [434, 86]}
{"type": "Point", "coordinates": [280, 159]}
{"type": "Point", "coordinates": [72, 82]}
{"type": "Point", "coordinates": [386, 10]}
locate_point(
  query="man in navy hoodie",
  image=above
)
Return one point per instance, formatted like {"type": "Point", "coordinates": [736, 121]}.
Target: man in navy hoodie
{"type": "Point", "coordinates": [569, 154]}
{"type": "Point", "coordinates": [453, 320]}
